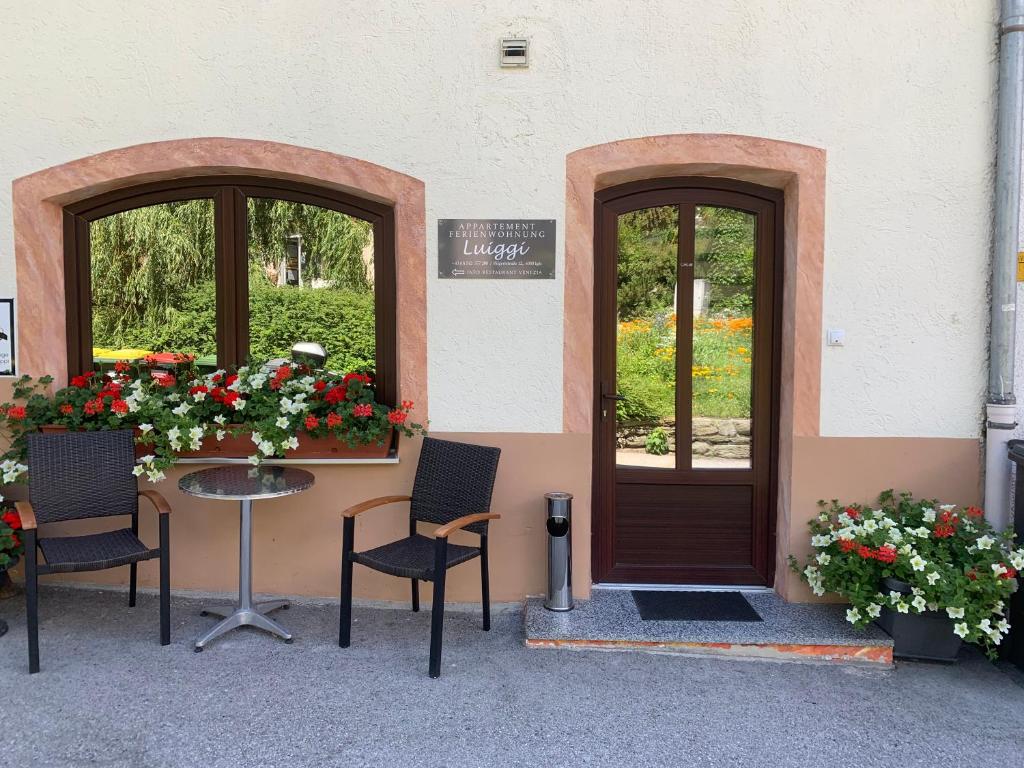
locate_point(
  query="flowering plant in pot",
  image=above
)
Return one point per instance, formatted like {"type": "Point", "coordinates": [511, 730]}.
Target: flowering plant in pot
{"type": "Point", "coordinates": [11, 547]}
{"type": "Point", "coordinates": [266, 414]}
{"type": "Point", "coordinates": [906, 557]}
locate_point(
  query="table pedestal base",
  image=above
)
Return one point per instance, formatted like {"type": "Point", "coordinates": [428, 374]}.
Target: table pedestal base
{"type": "Point", "coordinates": [246, 612]}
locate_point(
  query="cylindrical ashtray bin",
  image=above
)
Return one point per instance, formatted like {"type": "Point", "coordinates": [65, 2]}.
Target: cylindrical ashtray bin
{"type": "Point", "coordinates": [559, 525]}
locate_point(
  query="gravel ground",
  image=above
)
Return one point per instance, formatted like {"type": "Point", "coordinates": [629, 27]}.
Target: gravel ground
{"type": "Point", "coordinates": [109, 695]}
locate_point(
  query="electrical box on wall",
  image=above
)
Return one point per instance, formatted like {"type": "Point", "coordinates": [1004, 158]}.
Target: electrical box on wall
{"type": "Point", "coordinates": [514, 52]}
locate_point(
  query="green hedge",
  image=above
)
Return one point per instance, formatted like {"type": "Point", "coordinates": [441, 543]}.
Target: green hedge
{"type": "Point", "coordinates": [341, 320]}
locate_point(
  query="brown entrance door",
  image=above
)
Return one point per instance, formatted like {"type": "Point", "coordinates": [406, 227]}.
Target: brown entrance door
{"type": "Point", "coordinates": [687, 299]}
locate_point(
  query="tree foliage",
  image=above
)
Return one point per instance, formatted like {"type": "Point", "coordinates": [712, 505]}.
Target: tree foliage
{"type": "Point", "coordinates": [153, 280]}
{"type": "Point", "coordinates": [648, 250]}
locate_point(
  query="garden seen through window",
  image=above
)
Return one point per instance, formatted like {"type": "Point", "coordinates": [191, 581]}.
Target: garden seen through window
{"type": "Point", "coordinates": [233, 274]}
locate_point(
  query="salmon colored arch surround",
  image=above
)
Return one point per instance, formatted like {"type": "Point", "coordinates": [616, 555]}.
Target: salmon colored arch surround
{"type": "Point", "coordinates": [38, 237]}
{"type": "Point", "coordinates": [796, 169]}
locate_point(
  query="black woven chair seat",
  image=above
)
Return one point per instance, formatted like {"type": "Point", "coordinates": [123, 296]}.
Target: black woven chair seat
{"type": "Point", "coordinates": [412, 557]}
{"type": "Point", "coordinates": [110, 549]}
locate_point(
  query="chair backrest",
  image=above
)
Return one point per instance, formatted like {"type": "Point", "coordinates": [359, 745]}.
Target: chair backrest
{"type": "Point", "coordinates": [74, 475]}
{"type": "Point", "coordinates": [452, 480]}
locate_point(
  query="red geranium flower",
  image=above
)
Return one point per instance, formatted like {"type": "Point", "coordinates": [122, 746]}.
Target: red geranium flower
{"type": "Point", "coordinates": [335, 395]}
{"type": "Point", "coordinates": [119, 407]}
{"type": "Point", "coordinates": [67, 408]}
{"type": "Point", "coordinates": [16, 412]}
{"type": "Point", "coordinates": [853, 513]}
{"type": "Point", "coordinates": [363, 409]}
{"type": "Point", "coordinates": [397, 417]}
{"type": "Point", "coordinates": [284, 372]}
{"type": "Point", "coordinates": [231, 380]}
{"type": "Point", "coordinates": [972, 575]}
{"type": "Point", "coordinates": [348, 377]}
{"type": "Point", "coordinates": [312, 422]}
{"type": "Point", "coordinates": [12, 518]}
{"type": "Point", "coordinates": [93, 407]}
{"type": "Point", "coordinates": [15, 540]}
{"type": "Point", "coordinates": [1011, 573]}
{"type": "Point", "coordinates": [230, 398]}
{"type": "Point", "coordinates": [81, 381]}
{"type": "Point", "coordinates": [865, 552]}
{"type": "Point", "coordinates": [407, 405]}
{"type": "Point", "coordinates": [974, 512]}
{"type": "Point", "coordinates": [319, 385]}
{"type": "Point", "coordinates": [846, 545]}
{"type": "Point", "coordinates": [944, 531]}
{"type": "Point", "coordinates": [122, 366]}
{"type": "Point", "coordinates": [198, 388]}
{"type": "Point", "coordinates": [886, 553]}
{"type": "Point", "coordinates": [216, 378]}
{"type": "Point", "coordinates": [334, 419]}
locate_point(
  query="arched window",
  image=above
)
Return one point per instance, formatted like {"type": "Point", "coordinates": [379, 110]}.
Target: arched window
{"type": "Point", "coordinates": [231, 269]}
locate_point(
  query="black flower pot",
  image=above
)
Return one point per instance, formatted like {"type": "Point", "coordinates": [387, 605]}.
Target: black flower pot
{"type": "Point", "coordinates": [925, 636]}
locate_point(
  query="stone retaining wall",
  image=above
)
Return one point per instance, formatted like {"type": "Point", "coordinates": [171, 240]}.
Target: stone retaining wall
{"type": "Point", "coordinates": [721, 438]}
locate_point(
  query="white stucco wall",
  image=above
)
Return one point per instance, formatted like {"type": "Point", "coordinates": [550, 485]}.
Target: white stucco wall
{"type": "Point", "coordinates": [901, 95]}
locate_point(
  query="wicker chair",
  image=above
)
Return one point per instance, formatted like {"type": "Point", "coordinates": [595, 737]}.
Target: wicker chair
{"type": "Point", "coordinates": [80, 475]}
{"type": "Point", "coordinates": [452, 488]}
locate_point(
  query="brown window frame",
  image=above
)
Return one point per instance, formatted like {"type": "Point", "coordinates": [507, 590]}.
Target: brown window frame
{"type": "Point", "coordinates": [229, 195]}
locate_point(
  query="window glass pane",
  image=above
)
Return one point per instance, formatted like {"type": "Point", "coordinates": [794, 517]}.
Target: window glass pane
{"type": "Point", "coordinates": [646, 338]}
{"type": "Point", "coordinates": [153, 288]}
{"type": "Point", "coordinates": [723, 305]}
{"type": "Point", "coordinates": [310, 279]}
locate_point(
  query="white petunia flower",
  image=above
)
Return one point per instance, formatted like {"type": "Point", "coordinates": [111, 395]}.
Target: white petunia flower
{"type": "Point", "coordinates": [955, 613]}
{"type": "Point", "coordinates": [895, 597]}
{"type": "Point", "coordinates": [291, 443]}
{"type": "Point", "coordinates": [853, 615]}
{"type": "Point", "coordinates": [282, 422]}
{"type": "Point", "coordinates": [874, 610]}
{"type": "Point", "coordinates": [220, 434]}
{"type": "Point", "coordinates": [821, 540]}
{"type": "Point", "coordinates": [999, 607]}
{"type": "Point", "coordinates": [823, 517]}
{"type": "Point", "coordinates": [173, 397]}
{"type": "Point", "coordinates": [918, 563]}
{"type": "Point", "coordinates": [155, 475]}
{"type": "Point", "coordinates": [928, 515]}
{"type": "Point", "coordinates": [1017, 559]}
{"type": "Point", "coordinates": [1003, 626]}
{"type": "Point", "coordinates": [921, 533]}
{"type": "Point", "coordinates": [960, 630]}
{"type": "Point", "coordinates": [811, 573]}
{"type": "Point", "coordinates": [998, 569]}
{"type": "Point", "coordinates": [256, 437]}
{"type": "Point", "coordinates": [144, 428]}
{"type": "Point", "coordinates": [182, 409]}
{"type": "Point", "coordinates": [902, 607]}
{"type": "Point", "coordinates": [239, 404]}
{"type": "Point", "coordinates": [919, 603]}
{"type": "Point", "coordinates": [824, 558]}
{"type": "Point", "coordinates": [266, 448]}
{"type": "Point", "coordinates": [220, 419]}
{"type": "Point", "coordinates": [138, 469]}
{"type": "Point", "coordinates": [985, 542]}
{"type": "Point", "coordinates": [985, 625]}
{"type": "Point", "coordinates": [870, 526]}
{"type": "Point", "coordinates": [254, 459]}
{"type": "Point", "coordinates": [933, 577]}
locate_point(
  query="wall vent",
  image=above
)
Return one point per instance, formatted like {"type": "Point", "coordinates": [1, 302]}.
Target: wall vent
{"type": "Point", "coordinates": [514, 52]}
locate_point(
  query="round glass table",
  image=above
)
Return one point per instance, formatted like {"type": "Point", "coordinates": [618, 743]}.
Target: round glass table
{"type": "Point", "coordinates": [245, 484]}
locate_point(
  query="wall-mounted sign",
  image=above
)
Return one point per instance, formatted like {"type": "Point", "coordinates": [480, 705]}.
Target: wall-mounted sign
{"type": "Point", "coordinates": [7, 337]}
{"type": "Point", "coordinates": [496, 249]}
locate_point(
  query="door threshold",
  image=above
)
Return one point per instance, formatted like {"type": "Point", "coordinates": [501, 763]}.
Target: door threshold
{"type": "Point", "coordinates": [684, 587]}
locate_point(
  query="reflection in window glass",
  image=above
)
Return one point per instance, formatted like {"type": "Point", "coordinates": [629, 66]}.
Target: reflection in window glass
{"type": "Point", "coordinates": [310, 279]}
{"type": "Point", "coordinates": [723, 301]}
{"type": "Point", "coordinates": [153, 291]}
{"type": "Point", "coordinates": [646, 338]}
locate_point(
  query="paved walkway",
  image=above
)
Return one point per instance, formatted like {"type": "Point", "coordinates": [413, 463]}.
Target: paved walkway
{"type": "Point", "coordinates": [110, 695]}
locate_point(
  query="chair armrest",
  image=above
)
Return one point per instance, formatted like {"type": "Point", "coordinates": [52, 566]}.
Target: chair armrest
{"type": "Point", "coordinates": [462, 522]}
{"type": "Point", "coordinates": [27, 514]}
{"type": "Point", "coordinates": [158, 501]}
{"type": "Point", "coordinates": [364, 506]}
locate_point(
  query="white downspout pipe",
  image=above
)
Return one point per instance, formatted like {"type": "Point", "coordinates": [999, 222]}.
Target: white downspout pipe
{"type": "Point", "coordinates": [1001, 408]}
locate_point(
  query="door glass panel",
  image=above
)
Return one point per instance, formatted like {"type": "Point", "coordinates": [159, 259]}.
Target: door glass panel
{"type": "Point", "coordinates": [153, 284]}
{"type": "Point", "coordinates": [310, 279]}
{"type": "Point", "coordinates": [723, 309]}
{"type": "Point", "coordinates": [646, 338]}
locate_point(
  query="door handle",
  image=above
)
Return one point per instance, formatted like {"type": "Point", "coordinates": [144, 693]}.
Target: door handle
{"type": "Point", "coordinates": [616, 396]}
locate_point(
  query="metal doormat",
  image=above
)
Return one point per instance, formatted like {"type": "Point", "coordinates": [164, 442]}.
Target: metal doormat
{"type": "Point", "coordinates": [694, 606]}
